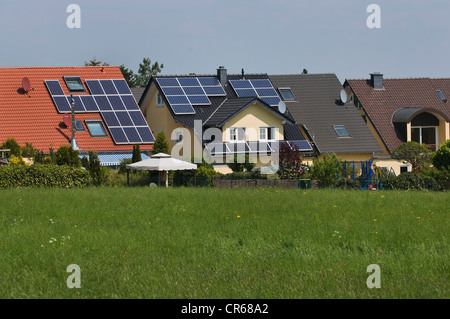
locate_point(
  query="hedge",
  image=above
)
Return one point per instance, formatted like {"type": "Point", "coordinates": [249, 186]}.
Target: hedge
{"type": "Point", "coordinates": [43, 176]}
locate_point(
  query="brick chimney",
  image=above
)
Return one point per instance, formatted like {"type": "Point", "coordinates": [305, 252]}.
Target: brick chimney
{"type": "Point", "coordinates": [376, 79]}
{"type": "Point", "coordinates": [222, 75]}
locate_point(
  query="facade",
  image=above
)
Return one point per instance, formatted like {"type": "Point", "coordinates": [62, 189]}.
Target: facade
{"type": "Point", "coordinates": [35, 107]}
{"type": "Point", "coordinates": [401, 110]}
{"type": "Point", "coordinates": [220, 115]}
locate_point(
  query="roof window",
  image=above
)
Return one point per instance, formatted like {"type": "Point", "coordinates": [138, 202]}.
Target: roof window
{"type": "Point", "coordinates": [74, 84]}
{"type": "Point", "coordinates": [341, 131]}
{"type": "Point", "coordinates": [286, 94]}
{"type": "Point", "coordinates": [441, 95]}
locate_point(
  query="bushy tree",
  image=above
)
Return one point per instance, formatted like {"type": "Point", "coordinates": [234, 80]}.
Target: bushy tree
{"type": "Point", "coordinates": [13, 146]}
{"type": "Point", "coordinates": [416, 154]}
{"type": "Point", "coordinates": [66, 155]}
{"type": "Point", "coordinates": [441, 158]}
{"type": "Point", "coordinates": [290, 162]}
{"type": "Point", "coordinates": [94, 168]}
{"type": "Point", "coordinates": [161, 145]}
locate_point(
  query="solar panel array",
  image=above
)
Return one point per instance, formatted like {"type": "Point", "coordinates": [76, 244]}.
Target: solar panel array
{"type": "Point", "coordinates": [115, 102]}
{"type": "Point", "coordinates": [261, 88]}
{"type": "Point", "coordinates": [183, 93]}
{"type": "Point", "coordinates": [263, 147]}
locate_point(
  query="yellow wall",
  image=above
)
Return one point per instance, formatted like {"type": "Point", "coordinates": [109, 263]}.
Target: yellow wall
{"type": "Point", "coordinates": [252, 118]}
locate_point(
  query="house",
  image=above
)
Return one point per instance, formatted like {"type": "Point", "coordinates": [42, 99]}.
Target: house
{"type": "Point", "coordinates": [401, 110]}
{"type": "Point", "coordinates": [36, 106]}
{"type": "Point", "coordinates": [330, 124]}
{"type": "Point", "coordinates": [220, 115]}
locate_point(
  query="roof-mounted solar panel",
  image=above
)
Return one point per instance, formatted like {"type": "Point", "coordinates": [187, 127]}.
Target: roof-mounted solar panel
{"type": "Point", "coordinates": [95, 87]}
{"type": "Point", "coordinates": [261, 88]}
{"type": "Point", "coordinates": [54, 87]}
{"type": "Point", "coordinates": [122, 86]}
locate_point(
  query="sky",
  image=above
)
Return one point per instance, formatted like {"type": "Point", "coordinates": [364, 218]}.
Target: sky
{"type": "Point", "coordinates": [259, 36]}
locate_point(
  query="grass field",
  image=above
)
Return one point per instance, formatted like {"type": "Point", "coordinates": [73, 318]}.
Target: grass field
{"type": "Point", "coordinates": [223, 243]}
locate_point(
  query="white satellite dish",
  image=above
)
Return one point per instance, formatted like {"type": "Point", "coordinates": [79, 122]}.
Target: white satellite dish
{"type": "Point", "coordinates": [344, 96]}
{"type": "Point", "coordinates": [282, 107]}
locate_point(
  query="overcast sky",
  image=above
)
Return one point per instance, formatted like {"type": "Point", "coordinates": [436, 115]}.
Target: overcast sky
{"type": "Point", "coordinates": [261, 36]}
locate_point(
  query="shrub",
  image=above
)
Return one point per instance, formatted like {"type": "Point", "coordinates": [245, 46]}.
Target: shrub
{"type": "Point", "coordinates": [441, 176]}
{"type": "Point", "coordinates": [136, 154]}
{"type": "Point", "coordinates": [94, 168]}
{"type": "Point", "coordinates": [66, 155]}
{"type": "Point", "coordinates": [28, 150]}
{"type": "Point", "coordinates": [43, 176]}
{"type": "Point", "coordinates": [161, 145]}
{"type": "Point", "coordinates": [290, 162]}
{"type": "Point", "coordinates": [123, 165]}
{"type": "Point", "coordinates": [241, 163]}
{"type": "Point", "coordinates": [327, 170]}
{"type": "Point", "coordinates": [441, 158]}
{"type": "Point", "coordinates": [15, 160]}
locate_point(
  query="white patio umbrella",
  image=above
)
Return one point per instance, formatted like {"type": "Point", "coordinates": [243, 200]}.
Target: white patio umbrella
{"type": "Point", "coordinates": [163, 163]}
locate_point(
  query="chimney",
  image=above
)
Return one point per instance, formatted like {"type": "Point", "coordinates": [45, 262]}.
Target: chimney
{"type": "Point", "coordinates": [376, 79]}
{"type": "Point", "coordinates": [222, 75]}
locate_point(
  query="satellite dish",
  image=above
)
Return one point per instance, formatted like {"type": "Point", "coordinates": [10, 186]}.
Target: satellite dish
{"type": "Point", "coordinates": [67, 120]}
{"type": "Point", "coordinates": [26, 84]}
{"type": "Point", "coordinates": [282, 107]}
{"type": "Point", "coordinates": [344, 96]}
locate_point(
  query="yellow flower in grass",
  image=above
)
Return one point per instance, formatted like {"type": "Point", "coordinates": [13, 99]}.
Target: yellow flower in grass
{"type": "Point", "coordinates": [375, 220]}
{"type": "Point", "coordinates": [238, 216]}
{"type": "Point", "coordinates": [382, 196]}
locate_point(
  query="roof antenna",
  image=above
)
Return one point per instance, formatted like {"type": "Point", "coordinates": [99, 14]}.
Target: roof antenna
{"type": "Point", "coordinates": [243, 77]}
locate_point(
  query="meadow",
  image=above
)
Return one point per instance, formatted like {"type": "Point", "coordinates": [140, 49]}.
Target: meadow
{"type": "Point", "coordinates": [142, 242]}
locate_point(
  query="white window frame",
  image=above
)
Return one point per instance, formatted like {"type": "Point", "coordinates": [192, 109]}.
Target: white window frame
{"type": "Point", "coordinates": [231, 133]}
{"type": "Point", "coordinates": [159, 99]}
{"type": "Point", "coordinates": [420, 133]}
{"type": "Point", "coordinates": [266, 129]}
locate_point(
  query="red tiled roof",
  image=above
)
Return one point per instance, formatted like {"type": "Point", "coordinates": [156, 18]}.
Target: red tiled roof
{"type": "Point", "coordinates": [381, 104]}
{"type": "Point", "coordinates": [33, 117]}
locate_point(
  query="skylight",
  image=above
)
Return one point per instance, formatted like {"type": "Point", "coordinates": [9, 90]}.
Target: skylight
{"type": "Point", "coordinates": [79, 126]}
{"type": "Point", "coordinates": [441, 95]}
{"type": "Point", "coordinates": [286, 94]}
{"type": "Point", "coordinates": [96, 128]}
{"type": "Point", "coordinates": [74, 84]}
{"type": "Point", "coordinates": [341, 131]}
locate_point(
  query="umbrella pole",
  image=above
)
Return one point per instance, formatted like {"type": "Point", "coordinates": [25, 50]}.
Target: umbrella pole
{"type": "Point", "coordinates": [167, 178]}
{"type": "Point", "coordinates": [128, 177]}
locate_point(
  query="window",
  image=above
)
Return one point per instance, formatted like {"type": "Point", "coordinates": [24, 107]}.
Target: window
{"type": "Point", "coordinates": [425, 135]}
{"type": "Point", "coordinates": [159, 99]}
{"type": "Point", "coordinates": [178, 137]}
{"type": "Point", "coordinates": [79, 126]}
{"type": "Point", "coordinates": [286, 94]}
{"type": "Point", "coordinates": [96, 128]}
{"type": "Point", "coordinates": [237, 134]}
{"type": "Point", "coordinates": [441, 95]}
{"type": "Point", "coordinates": [341, 131]}
{"type": "Point", "coordinates": [267, 133]}
{"type": "Point", "coordinates": [74, 84]}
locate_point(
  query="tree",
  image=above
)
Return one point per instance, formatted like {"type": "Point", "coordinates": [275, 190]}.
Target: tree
{"type": "Point", "coordinates": [94, 168]}
{"type": "Point", "coordinates": [290, 162]}
{"type": "Point", "coordinates": [66, 155]}
{"type": "Point", "coordinates": [441, 158]}
{"type": "Point", "coordinates": [161, 145]}
{"type": "Point", "coordinates": [146, 70]}
{"type": "Point", "coordinates": [94, 62]}
{"type": "Point", "coordinates": [413, 153]}
{"type": "Point", "coordinates": [305, 71]}
{"type": "Point", "coordinates": [128, 75]}
{"type": "Point", "coordinates": [136, 154]}
{"type": "Point", "coordinates": [12, 145]}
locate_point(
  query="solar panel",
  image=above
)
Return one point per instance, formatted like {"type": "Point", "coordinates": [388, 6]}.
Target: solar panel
{"type": "Point", "coordinates": [188, 82]}
{"type": "Point", "coordinates": [217, 148]}
{"type": "Point", "coordinates": [62, 104]}
{"type": "Point", "coordinates": [54, 87]}
{"type": "Point", "coordinates": [108, 86]}
{"type": "Point", "coordinates": [102, 102]}
{"type": "Point", "coordinates": [94, 87]}
{"type": "Point", "coordinates": [129, 102]}
{"type": "Point", "coordinates": [89, 103]}
{"type": "Point", "coordinates": [239, 147]}
{"type": "Point", "coordinates": [132, 135]}
{"type": "Point", "coordinates": [183, 109]}
{"type": "Point", "coordinates": [122, 86]}
{"type": "Point", "coordinates": [146, 134]}
{"type": "Point", "coordinates": [110, 119]}
{"type": "Point", "coordinates": [78, 106]}
{"type": "Point", "coordinates": [118, 135]}
{"type": "Point", "coordinates": [138, 118]}
{"type": "Point", "coordinates": [116, 103]}
{"type": "Point", "coordinates": [261, 88]}
{"type": "Point", "coordinates": [300, 145]}
{"type": "Point", "coordinates": [168, 82]}
{"type": "Point", "coordinates": [199, 100]}
{"type": "Point", "coordinates": [214, 90]}
{"type": "Point", "coordinates": [173, 90]}
{"type": "Point", "coordinates": [124, 118]}
{"type": "Point", "coordinates": [209, 81]}
{"type": "Point", "coordinates": [193, 90]}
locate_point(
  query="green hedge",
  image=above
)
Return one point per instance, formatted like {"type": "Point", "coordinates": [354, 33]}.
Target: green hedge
{"type": "Point", "coordinates": [43, 176]}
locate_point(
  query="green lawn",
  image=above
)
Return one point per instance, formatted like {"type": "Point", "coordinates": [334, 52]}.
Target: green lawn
{"type": "Point", "coordinates": [223, 243]}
